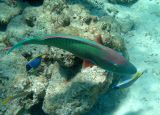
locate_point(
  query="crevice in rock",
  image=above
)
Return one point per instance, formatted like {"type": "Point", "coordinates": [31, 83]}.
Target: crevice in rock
{"type": "Point", "coordinates": [123, 2]}
{"type": "Point", "coordinates": [69, 72]}
{"type": "Point", "coordinates": [34, 2]}
{"type": "Point", "coordinates": [30, 21]}
{"type": "Point", "coordinates": [3, 26]}
{"type": "Point", "coordinates": [37, 108]}
{"type": "Point", "coordinates": [27, 55]}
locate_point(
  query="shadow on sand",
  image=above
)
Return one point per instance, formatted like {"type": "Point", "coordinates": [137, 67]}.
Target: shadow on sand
{"type": "Point", "coordinates": [108, 103]}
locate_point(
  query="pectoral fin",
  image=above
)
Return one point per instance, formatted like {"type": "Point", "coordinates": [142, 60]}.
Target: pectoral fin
{"type": "Point", "coordinates": [99, 39]}
{"type": "Point", "coordinates": [87, 63]}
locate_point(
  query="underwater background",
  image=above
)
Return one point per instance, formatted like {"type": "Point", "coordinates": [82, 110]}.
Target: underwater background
{"type": "Point", "coordinates": [44, 80]}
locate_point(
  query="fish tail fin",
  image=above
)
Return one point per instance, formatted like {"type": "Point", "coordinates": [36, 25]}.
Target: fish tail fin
{"type": "Point", "coordinates": [24, 42]}
{"type": "Point", "coordinates": [15, 46]}
{"type": "Point", "coordinates": [138, 75]}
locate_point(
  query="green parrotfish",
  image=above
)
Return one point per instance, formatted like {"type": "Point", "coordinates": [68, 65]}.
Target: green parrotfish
{"type": "Point", "coordinates": [85, 49]}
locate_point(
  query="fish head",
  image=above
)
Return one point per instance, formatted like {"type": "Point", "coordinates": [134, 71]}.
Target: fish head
{"type": "Point", "coordinates": [124, 68]}
{"type": "Point", "coordinates": [115, 62]}
{"type": "Point", "coordinates": [28, 67]}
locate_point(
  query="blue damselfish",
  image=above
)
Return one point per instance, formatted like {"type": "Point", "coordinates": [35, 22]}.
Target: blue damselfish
{"type": "Point", "coordinates": [34, 63]}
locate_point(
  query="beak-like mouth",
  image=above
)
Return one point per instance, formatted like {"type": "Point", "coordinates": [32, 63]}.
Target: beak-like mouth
{"type": "Point", "coordinates": [126, 68]}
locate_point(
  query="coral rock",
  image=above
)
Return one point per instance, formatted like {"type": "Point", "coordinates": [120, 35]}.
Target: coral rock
{"type": "Point", "coordinates": [78, 95]}
{"type": "Point", "coordinates": [6, 13]}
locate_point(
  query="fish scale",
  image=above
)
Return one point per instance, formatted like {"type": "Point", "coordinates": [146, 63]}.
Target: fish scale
{"type": "Point", "coordinates": [86, 49]}
{"type": "Point", "coordinates": [79, 49]}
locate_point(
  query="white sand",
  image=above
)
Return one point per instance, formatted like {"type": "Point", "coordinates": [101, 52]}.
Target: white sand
{"type": "Point", "coordinates": [143, 44]}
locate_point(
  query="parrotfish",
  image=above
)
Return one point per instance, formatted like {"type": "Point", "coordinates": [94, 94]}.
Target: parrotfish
{"type": "Point", "coordinates": [128, 82]}
{"type": "Point", "coordinates": [85, 49]}
{"type": "Point", "coordinates": [34, 63]}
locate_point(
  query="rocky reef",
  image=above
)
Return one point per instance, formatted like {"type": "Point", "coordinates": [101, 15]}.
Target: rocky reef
{"type": "Point", "coordinates": [60, 85]}
{"type": "Point", "coordinates": [77, 96]}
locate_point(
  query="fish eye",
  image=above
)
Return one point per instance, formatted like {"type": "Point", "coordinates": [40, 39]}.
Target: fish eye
{"type": "Point", "coordinates": [115, 64]}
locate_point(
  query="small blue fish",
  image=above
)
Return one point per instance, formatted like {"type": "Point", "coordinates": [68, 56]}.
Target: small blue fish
{"type": "Point", "coordinates": [34, 63]}
{"type": "Point", "coordinates": [128, 82]}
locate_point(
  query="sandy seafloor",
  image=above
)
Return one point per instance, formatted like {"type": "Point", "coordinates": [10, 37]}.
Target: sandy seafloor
{"type": "Point", "coordinates": [143, 44]}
